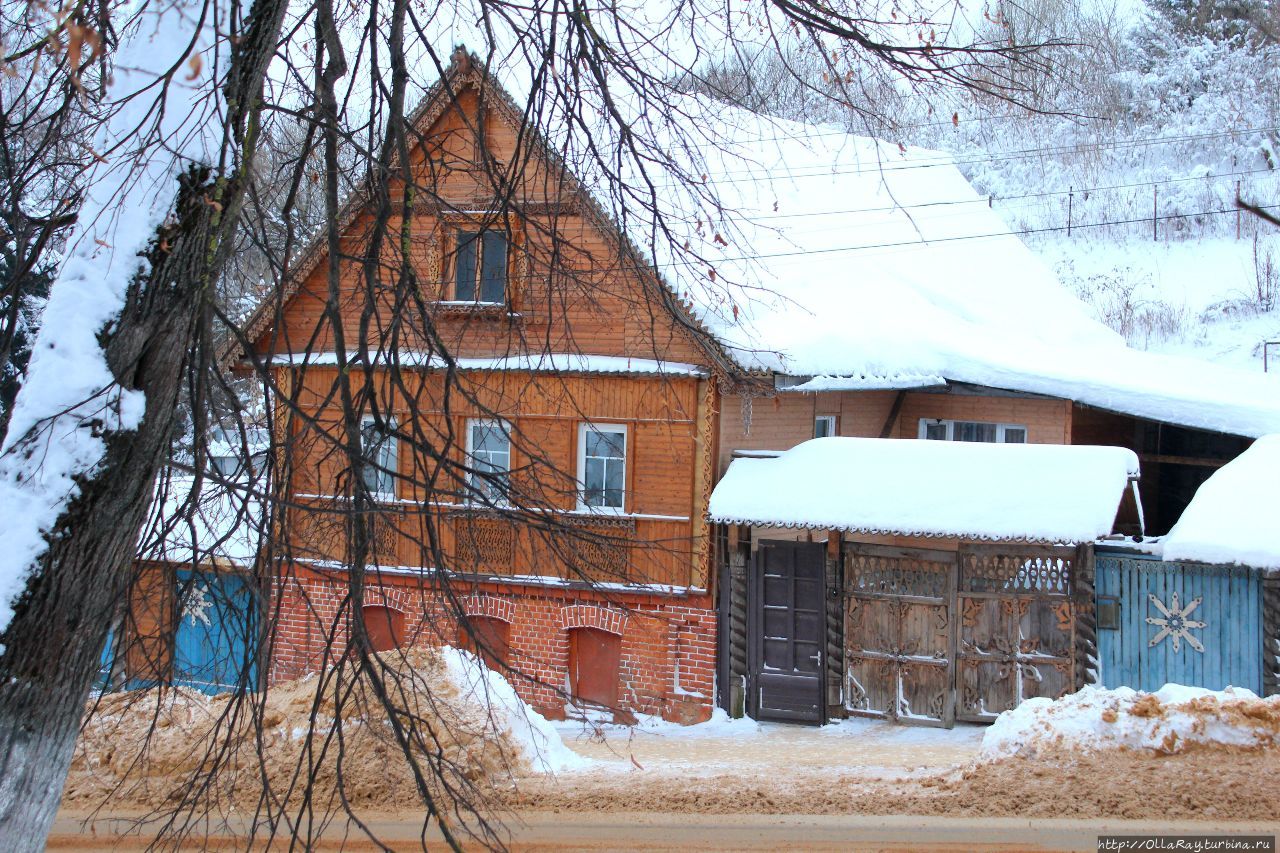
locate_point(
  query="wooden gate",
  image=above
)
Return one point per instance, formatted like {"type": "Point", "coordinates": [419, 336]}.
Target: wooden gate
{"type": "Point", "coordinates": [788, 631]}
{"type": "Point", "coordinates": [899, 642]}
{"type": "Point", "coordinates": [936, 636]}
{"type": "Point", "coordinates": [1016, 627]}
{"type": "Point", "coordinates": [1213, 617]}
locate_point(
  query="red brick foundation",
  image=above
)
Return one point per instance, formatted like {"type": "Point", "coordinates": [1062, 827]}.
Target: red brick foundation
{"type": "Point", "coordinates": [668, 641]}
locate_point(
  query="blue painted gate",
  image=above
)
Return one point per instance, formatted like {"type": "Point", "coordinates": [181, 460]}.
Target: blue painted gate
{"type": "Point", "coordinates": [213, 640]}
{"type": "Point", "coordinates": [1187, 623]}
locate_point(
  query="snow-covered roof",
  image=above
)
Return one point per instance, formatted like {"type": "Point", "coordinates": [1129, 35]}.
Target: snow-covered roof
{"type": "Point", "coordinates": [866, 265]}
{"type": "Point", "coordinates": [538, 362]}
{"type": "Point", "coordinates": [1033, 492]}
{"type": "Point", "coordinates": [1235, 515]}
{"type": "Point", "coordinates": [223, 524]}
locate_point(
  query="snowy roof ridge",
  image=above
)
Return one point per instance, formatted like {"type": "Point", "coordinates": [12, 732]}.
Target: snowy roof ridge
{"type": "Point", "coordinates": [912, 487]}
{"type": "Point", "coordinates": [536, 362]}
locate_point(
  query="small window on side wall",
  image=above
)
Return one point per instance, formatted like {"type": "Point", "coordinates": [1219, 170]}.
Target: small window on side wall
{"type": "Point", "coordinates": [974, 431]}
{"type": "Point", "coordinates": [602, 466]}
{"type": "Point", "coordinates": [480, 267]}
{"type": "Point", "coordinates": [824, 426]}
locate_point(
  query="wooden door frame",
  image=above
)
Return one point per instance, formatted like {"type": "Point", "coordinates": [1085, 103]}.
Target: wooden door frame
{"type": "Point", "coordinates": [755, 630]}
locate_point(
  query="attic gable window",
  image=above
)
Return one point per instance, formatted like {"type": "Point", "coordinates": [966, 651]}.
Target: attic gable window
{"type": "Point", "coordinates": [946, 430]}
{"type": "Point", "coordinates": [480, 267]}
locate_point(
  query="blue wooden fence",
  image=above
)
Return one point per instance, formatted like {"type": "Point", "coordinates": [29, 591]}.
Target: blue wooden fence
{"type": "Point", "coordinates": [1216, 643]}
{"type": "Point", "coordinates": [213, 648]}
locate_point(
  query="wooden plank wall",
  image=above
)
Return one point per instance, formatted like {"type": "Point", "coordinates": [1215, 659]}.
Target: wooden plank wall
{"type": "Point", "coordinates": [652, 542]}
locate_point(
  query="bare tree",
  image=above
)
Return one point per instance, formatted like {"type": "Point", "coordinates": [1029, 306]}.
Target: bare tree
{"type": "Point", "coordinates": [597, 132]}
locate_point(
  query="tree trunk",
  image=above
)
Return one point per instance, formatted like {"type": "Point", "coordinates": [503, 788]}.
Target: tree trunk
{"type": "Point", "coordinates": [53, 645]}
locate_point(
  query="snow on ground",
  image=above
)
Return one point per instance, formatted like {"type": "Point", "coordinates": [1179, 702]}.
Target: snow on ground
{"type": "Point", "coordinates": [537, 739]}
{"type": "Point", "coordinates": [724, 744]}
{"type": "Point", "coordinates": [1167, 721]}
{"type": "Point", "coordinates": [932, 488]}
{"type": "Point", "coordinates": [1232, 518]}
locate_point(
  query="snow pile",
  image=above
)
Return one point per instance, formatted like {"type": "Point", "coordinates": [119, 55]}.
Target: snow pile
{"type": "Point", "coordinates": [1170, 720]}
{"type": "Point", "coordinates": [69, 398]}
{"type": "Point", "coordinates": [1232, 518]}
{"type": "Point", "coordinates": [1054, 493]}
{"type": "Point", "coordinates": [539, 742]}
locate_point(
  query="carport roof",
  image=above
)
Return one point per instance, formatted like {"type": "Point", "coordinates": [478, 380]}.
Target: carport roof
{"type": "Point", "coordinates": [909, 487]}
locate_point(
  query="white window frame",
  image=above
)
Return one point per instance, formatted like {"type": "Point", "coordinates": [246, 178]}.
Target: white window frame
{"type": "Point", "coordinates": [393, 444]}
{"type": "Point", "coordinates": [473, 486]}
{"type": "Point", "coordinates": [617, 429]}
{"type": "Point", "coordinates": [829, 420]}
{"type": "Point", "coordinates": [950, 424]}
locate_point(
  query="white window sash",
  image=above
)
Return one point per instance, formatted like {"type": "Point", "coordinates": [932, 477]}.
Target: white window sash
{"type": "Point", "coordinates": [603, 429]}
{"type": "Point", "coordinates": [386, 460]}
{"type": "Point", "coordinates": [475, 483]}
{"type": "Point", "coordinates": [950, 426]}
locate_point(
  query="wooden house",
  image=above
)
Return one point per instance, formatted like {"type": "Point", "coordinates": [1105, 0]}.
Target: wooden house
{"type": "Point", "coordinates": [610, 398]}
{"type": "Point", "coordinates": [567, 389]}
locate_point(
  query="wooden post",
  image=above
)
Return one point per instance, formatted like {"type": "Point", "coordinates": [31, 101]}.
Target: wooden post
{"type": "Point", "coordinates": [1155, 204]}
{"type": "Point", "coordinates": [835, 625]}
{"type": "Point", "coordinates": [1085, 617]}
{"type": "Point", "coordinates": [1071, 196]}
{"type": "Point", "coordinates": [1271, 634]}
{"type": "Point", "coordinates": [1237, 210]}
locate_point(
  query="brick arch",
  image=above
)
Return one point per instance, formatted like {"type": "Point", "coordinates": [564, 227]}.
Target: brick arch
{"type": "Point", "coordinates": [592, 616]}
{"type": "Point", "coordinates": [491, 606]}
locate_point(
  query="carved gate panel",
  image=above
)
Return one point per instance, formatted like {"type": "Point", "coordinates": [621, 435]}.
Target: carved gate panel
{"type": "Point", "coordinates": [899, 646]}
{"type": "Point", "coordinates": [1016, 627]}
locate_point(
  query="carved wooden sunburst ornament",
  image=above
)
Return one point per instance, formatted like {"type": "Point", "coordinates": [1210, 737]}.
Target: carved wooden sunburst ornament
{"type": "Point", "coordinates": [1175, 625]}
{"type": "Point", "coordinates": [196, 605]}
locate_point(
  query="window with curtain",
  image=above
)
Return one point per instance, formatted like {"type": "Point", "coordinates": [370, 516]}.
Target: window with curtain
{"type": "Point", "coordinates": [948, 430]}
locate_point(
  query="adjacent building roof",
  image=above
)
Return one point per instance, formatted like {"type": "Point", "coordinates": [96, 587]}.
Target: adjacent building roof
{"type": "Point", "coordinates": [1235, 515]}
{"type": "Point", "coordinates": [866, 265]}
{"type": "Point", "coordinates": [1018, 492]}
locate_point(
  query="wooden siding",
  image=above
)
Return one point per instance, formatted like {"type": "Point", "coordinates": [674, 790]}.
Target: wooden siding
{"type": "Point", "coordinates": [570, 289]}
{"type": "Point", "coordinates": [652, 541]}
{"type": "Point", "coordinates": [785, 420]}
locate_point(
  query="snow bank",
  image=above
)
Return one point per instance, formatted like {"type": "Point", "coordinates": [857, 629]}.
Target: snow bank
{"type": "Point", "coordinates": [1232, 518]}
{"type": "Point", "coordinates": [69, 398]}
{"type": "Point", "coordinates": [1169, 720]}
{"type": "Point", "coordinates": [538, 740]}
{"type": "Point", "coordinates": [1055, 493]}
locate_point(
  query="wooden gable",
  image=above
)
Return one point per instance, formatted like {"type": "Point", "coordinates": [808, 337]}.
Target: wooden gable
{"type": "Point", "coordinates": [573, 284]}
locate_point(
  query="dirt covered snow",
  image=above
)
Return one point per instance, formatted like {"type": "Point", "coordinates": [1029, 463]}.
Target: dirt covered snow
{"type": "Point", "coordinates": [149, 748]}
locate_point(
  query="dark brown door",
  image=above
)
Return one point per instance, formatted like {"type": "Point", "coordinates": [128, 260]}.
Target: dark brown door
{"type": "Point", "coordinates": [594, 656]}
{"type": "Point", "coordinates": [788, 631]}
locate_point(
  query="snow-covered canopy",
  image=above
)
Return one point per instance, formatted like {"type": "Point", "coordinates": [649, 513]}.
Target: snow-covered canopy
{"type": "Point", "coordinates": [1235, 515]}
{"type": "Point", "coordinates": [1034, 492]}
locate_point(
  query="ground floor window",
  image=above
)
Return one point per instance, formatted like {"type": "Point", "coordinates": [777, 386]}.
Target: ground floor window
{"type": "Point", "coordinates": [487, 637]}
{"type": "Point", "coordinates": [594, 660]}
{"type": "Point", "coordinates": [384, 625]}
{"type": "Point", "coordinates": [947, 430]}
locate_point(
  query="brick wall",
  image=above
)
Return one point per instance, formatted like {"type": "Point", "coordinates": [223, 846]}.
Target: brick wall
{"type": "Point", "coordinates": [668, 642]}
